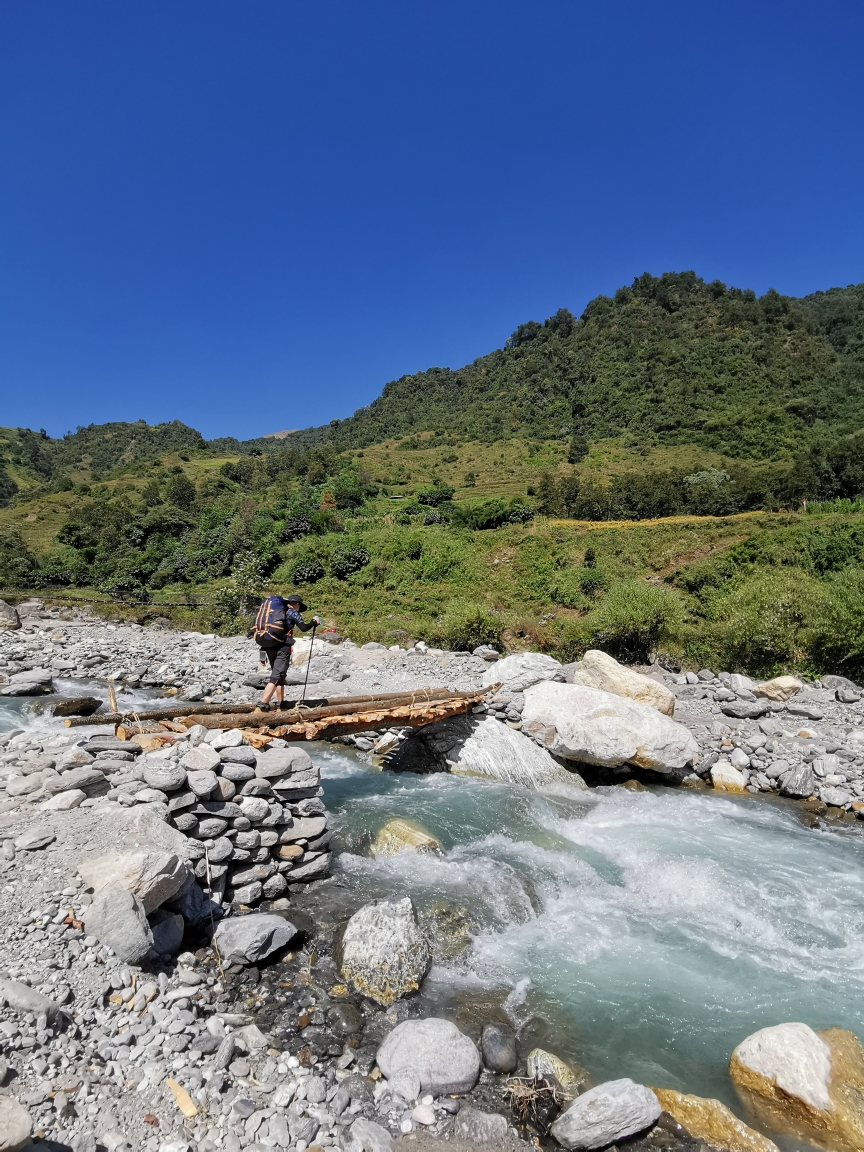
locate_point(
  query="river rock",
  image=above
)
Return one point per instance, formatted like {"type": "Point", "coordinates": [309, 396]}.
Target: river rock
{"type": "Point", "coordinates": [164, 775]}
{"type": "Point", "coordinates": [799, 783]}
{"type": "Point", "coordinates": [727, 778]}
{"type": "Point", "coordinates": [279, 762]}
{"type": "Point", "coordinates": [519, 671]}
{"type": "Point", "coordinates": [34, 839]}
{"type": "Point", "coordinates": [9, 618]}
{"type": "Point", "coordinates": [713, 1122]}
{"type": "Point", "coordinates": [835, 682]}
{"type": "Point", "coordinates": [33, 682]}
{"type": "Point", "coordinates": [242, 755]}
{"type": "Point", "coordinates": [64, 801]}
{"type": "Point", "coordinates": [383, 953]}
{"type": "Point", "coordinates": [498, 1045]}
{"type": "Point", "coordinates": [367, 1136]}
{"type": "Point", "coordinates": [249, 939]}
{"type": "Point", "coordinates": [597, 727]}
{"type": "Point", "coordinates": [804, 1084]}
{"type": "Point", "coordinates": [609, 1112]}
{"type": "Point", "coordinates": [402, 835]}
{"type": "Point", "coordinates": [153, 877]}
{"type": "Point", "coordinates": [541, 1064]}
{"type": "Point", "coordinates": [781, 688]}
{"type": "Point", "coordinates": [597, 670]}
{"type": "Point", "coordinates": [745, 709]}
{"type": "Point", "coordinates": [117, 918]}
{"type": "Point", "coordinates": [446, 1060]}
{"type": "Point", "coordinates": [24, 785]}
{"type": "Point", "coordinates": [493, 749]}
{"type": "Point", "coordinates": [167, 929]}
{"type": "Point", "coordinates": [478, 1128]}
{"type": "Point", "coordinates": [22, 998]}
{"type": "Point", "coordinates": [219, 740]}
{"type": "Point", "coordinates": [15, 1124]}
{"type": "Point", "coordinates": [304, 828]}
{"type": "Point", "coordinates": [202, 758]}
{"type": "Point", "coordinates": [89, 780]}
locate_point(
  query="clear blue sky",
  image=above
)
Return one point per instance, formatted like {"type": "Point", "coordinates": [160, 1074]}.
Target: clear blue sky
{"type": "Point", "coordinates": [250, 216]}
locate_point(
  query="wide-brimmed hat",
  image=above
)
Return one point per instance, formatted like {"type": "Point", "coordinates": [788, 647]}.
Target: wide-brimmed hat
{"type": "Point", "coordinates": [295, 599]}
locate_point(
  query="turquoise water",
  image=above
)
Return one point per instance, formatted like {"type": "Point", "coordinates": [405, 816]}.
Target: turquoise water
{"type": "Point", "coordinates": [640, 934]}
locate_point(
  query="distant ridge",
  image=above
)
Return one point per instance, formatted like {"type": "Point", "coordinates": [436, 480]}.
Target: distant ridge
{"type": "Point", "coordinates": [279, 435]}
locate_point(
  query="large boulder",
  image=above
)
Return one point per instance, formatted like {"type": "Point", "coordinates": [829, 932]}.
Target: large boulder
{"type": "Point", "coordinates": [33, 682]}
{"type": "Point", "coordinates": [597, 670]}
{"type": "Point", "coordinates": [804, 1084]}
{"type": "Point", "coordinates": [711, 1121]}
{"type": "Point", "coordinates": [596, 727]}
{"type": "Point", "coordinates": [611, 1111]}
{"type": "Point", "coordinates": [249, 939]}
{"type": "Point", "coordinates": [383, 953]}
{"type": "Point", "coordinates": [521, 670]}
{"type": "Point", "coordinates": [9, 618]}
{"type": "Point", "coordinates": [401, 835]}
{"type": "Point", "coordinates": [781, 688]}
{"type": "Point", "coordinates": [153, 877]}
{"type": "Point", "coordinates": [276, 763]}
{"type": "Point", "coordinates": [117, 918]}
{"type": "Point", "coordinates": [15, 1125]}
{"type": "Point", "coordinates": [493, 749]}
{"type": "Point", "coordinates": [446, 1060]}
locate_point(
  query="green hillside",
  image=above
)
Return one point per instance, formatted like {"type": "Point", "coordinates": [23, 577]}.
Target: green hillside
{"type": "Point", "coordinates": [669, 360]}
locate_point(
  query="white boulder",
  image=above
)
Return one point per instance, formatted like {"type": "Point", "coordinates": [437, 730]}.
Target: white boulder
{"type": "Point", "coordinates": [598, 670]}
{"type": "Point", "coordinates": [727, 778]}
{"type": "Point", "coordinates": [609, 1112]}
{"type": "Point", "coordinates": [493, 749]}
{"type": "Point", "coordinates": [597, 727]}
{"type": "Point", "coordinates": [384, 954]}
{"type": "Point", "coordinates": [794, 1058]}
{"type": "Point", "coordinates": [446, 1060]}
{"type": "Point", "coordinates": [519, 671]}
{"type": "Point", "coordinates": [781, 688]}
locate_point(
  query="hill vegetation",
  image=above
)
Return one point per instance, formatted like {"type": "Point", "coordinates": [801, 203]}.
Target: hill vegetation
{"type": "Point", "coordinates": [677, 471]}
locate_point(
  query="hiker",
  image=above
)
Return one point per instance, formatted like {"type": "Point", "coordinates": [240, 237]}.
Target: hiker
{"type": "Point", "coordinates": [276, 619]}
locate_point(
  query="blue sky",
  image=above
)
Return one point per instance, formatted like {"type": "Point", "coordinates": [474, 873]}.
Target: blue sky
{"type": "Point", "coordinates": [251, 216]}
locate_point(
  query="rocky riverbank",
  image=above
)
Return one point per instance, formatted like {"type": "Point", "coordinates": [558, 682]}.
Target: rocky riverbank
{"type": "Point", "coordinates": [307, 1026]}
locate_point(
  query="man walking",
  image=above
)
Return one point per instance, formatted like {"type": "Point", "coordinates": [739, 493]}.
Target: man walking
{"type": "Point", "coordinates": [277, 618]}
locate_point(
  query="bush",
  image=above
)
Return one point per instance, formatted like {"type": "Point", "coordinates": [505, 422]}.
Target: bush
{"type": "Point", "coordinates": [344, 561]}
{"type": "Point", "coordinates": [18, 569]}
{"type": "Point", "coordinates": [294, 528]}
{"type": "Point", "coordinates": [307, 570]}
{"type": "Point", "coordinates": [432, 517]}
{"type": "Point", "coordinates": [765, 624]}
{"type": "Point", "coordinates": [838, 643]}
{"type": "Point", "coordinates": [635, 618]}
{"type": "Point", "coordinates": [466, 625]}
{"type": "Point", "coordinates": [432, 497]}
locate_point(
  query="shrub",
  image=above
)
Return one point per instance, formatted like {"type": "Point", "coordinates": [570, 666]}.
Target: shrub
{"type": "Point", "coordinates": [635, 618]}
{"type": "Point", "coordinates": [346, 560]}
{"type": "Point", "coordinates": [432, 517]}
{"type": "Point", "coordinates": [432, 497]}
{"type": "Point", "coordinates": [765, 623]}
{"type": "Point", "coordinates": [465, 625]}
{"type": "Point", "coordinates": [294, 528]}
{"type": "Point", "coordinates": [18, 568]}
{"type": "Point", "coordinates": [307, 570]}
{"type": "Point", "coordinates": [838, 643]}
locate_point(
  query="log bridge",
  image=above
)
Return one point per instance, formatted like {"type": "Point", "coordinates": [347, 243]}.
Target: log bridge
{"type": "Point", "coordinates": [318, 719]}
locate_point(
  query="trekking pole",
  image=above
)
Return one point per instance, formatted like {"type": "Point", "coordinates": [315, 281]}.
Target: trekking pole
{"type": "Point", "coordinates": [308, 662]}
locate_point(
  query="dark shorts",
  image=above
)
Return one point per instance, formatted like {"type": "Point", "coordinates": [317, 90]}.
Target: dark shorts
{"type": "Point", "coordinates": [279, 657]}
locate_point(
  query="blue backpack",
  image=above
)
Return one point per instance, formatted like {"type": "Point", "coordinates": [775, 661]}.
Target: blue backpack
{"type": "Point", "coordinates": [271, 625]}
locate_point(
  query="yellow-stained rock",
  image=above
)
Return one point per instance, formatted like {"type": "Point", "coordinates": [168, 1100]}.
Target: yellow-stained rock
{"type": "Point", "coordinates": [726, 778]}
{"type": "Point", "coordinates": [403, 836]}
{"type": "Point", "coordinates": [804, 1084]}
{"type": "Point", "coordinates": [599, 670]}
{"type": "Point", "coordinates": [780, 688]}
{"type": "Point", "coordinates": [713, 1122]}
{"type": "Point", "coordinates": [569, 1076]}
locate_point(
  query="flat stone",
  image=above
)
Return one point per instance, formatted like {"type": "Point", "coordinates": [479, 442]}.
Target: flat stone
{"type": "Point", "coordinates": [22, 998]}
{"type": "Point", "coordinates": [279, 762]}
{"type": "Point", "coordinates": [153, 877]}
{"type": "Point", "coordinates": [24, 785]}
{"type": "Point", "coordinates": [64, 801]}
{"type": "Point", "coordinates": [204, 758]}
{"type": "Point", "coordinates": [478, 1127]}
{"type": "Point", "coordinates": [611, 1111]}
{"type": "Point", "coordinates": [401, 835]}
{"type": "Point", "coordinates": [598, 670]}
{"type": "Point", "coordinates": [89, 780]}
{"type": "Point", "coordinates": [521, 670]}
{"type": "Point", "coordinates": [445, 1059]}
{"type": "Point", "coordinates": [249, 939]}
{"type": "Point", "coordinates": [118, 920]}
{"type": "Point", "coordinates": [34, 839]}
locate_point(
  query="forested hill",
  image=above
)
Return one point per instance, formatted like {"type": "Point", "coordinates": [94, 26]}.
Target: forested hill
{"type": "Point", "coordinates": [670, 360]}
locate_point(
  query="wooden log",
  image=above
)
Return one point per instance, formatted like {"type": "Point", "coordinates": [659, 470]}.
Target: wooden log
{"type": "Point", "coordinates": [173, 711]}
{"type": "Point", "coordinates": [303, 715]}
{"type": "Point", "coordinates": [406, 717]}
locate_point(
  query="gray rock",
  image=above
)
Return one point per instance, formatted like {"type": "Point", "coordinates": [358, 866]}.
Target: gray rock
{"type": "Point", "coordinates": [10, 621]}
{"type": "Point", "coordinates": [89, 780]}
{"type": "Point", "coordinates": [24, 785]}
{"type": "Point", "coordinates": [835, 682]}
{"type": "Point", "coordinates": [313, 870]}
{"type": "Point", "coordinates": [366, 1135]}
{"type": "Point", "coordinates": [609, 1112]}
{"type": "Point", "coordinates": [34, 839]}
{"type": "Point", "coordinates": [15, 1125]}
{"type": "Point", "coordinates": [445, 1059]}
{"type": "Point", "coordinates": [237, 772]}
{"type": "Point", "coordinates": [493, 749]}
{"type": "Point", "coordinates": [153, 877]}
{"type": "Point", "coordinates": [280, 762]}
{"type": "Point", "coordinates": [478, 1127]}
{"type": "Point", "coordinates": [21, 998]}
{"type": "Point", "coordinates": [248, 939]}
{"type": "Point", "coordinates": [837, 797]}
{"type": "Point", "coordinates": [745, 709]}
{"type": "Point", "coordinates": [384, 954]}
{"type": "Point", "coordinates": [167, 929]}
{"type": "Point", "coordinates": [117, 919]}
{"type": "Point", "coordinates": [808, 711]}
{"type": "Point", "coordinates": [248, 894]}
{"type": "Point", "coordinates": [498, 1044]}
{"type": "Point", "coordinates": [202, 758]}
{"type": "Point", "coordinates": [521, 670]}
{"type": "Point", "coordinates": [202, 783]}
{"type": "Point", "coordinates": [799, 783]}
{"type": "Point", "coordinates": [164, 775]}
{"type": "Point", "coordinates": [242, 755]}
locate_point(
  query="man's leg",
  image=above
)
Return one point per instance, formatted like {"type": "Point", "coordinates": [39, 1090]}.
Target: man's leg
{"type": "Point", "coordinates": [279, 659]}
